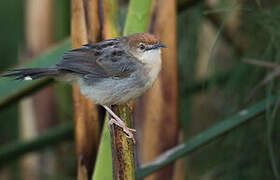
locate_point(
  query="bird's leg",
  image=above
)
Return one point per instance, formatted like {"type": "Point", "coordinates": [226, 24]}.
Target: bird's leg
{"type": "Point", "coordinates": [116, 120]}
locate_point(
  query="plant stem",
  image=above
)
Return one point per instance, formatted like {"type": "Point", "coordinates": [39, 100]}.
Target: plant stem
{"type": "Point", "coordinates": [221, 128]}
{"type": "Point", "coordinates": [55, 135]}
{"type": "Point", "coordinates": [122, 147]}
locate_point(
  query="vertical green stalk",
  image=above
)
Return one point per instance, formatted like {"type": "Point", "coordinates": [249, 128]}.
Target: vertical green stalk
{"type": "Point", "coordinates": [122, 148]}
{"type": "Point", "coordinates": [138, 16]}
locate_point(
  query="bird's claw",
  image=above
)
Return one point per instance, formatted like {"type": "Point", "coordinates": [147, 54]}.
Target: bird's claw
{"type": "Point", "coordinates": [129, 134]}
{"type": "Point", "coordinates": [128, 131]}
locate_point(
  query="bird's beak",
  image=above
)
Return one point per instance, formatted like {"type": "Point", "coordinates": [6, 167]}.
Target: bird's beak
{"type": "Point", "coordinates": [160, 46]}
{"type": "Point", "coordinates": [156, 46]}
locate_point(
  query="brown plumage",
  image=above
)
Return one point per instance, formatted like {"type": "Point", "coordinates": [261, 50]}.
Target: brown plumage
{"type": "Point", "coordinates": [145, 38]}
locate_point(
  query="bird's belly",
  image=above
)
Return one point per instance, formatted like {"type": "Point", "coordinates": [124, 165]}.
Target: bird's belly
{"type": "Point", "coordinates": [113, 91]}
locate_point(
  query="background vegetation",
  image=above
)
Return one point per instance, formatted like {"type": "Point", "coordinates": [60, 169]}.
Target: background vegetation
{"type": "Point", "coordinates": [227, 56]}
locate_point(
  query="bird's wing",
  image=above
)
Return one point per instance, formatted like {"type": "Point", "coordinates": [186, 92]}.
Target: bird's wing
{"type": "Point", "coordinates": [91, 62]}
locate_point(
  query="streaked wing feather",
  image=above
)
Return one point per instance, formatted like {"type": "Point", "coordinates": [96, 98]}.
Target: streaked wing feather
{"type": "Point", "coordinates": [91, 62]}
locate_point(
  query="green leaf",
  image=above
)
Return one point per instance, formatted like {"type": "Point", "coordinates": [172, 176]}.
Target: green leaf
{"type": "Point", "coordinates": [138, 16]}
{"type": "Point", "coordinates": [103, 169]}
{"type": "Point", "coordinates": [11, 91]}
{"type": "Point", "coordinates": [205, 137]}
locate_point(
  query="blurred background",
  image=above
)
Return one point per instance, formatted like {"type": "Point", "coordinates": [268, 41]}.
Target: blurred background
{"type": "Point", "coordinates": [227, 56]}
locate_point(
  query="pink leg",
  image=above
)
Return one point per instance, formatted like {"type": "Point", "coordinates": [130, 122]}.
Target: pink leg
{"type": "Point", "coordinates": [116, 120]}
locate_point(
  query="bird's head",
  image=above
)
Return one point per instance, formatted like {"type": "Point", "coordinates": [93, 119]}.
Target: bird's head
{"type": "Point", "coordinates": [145, 47]}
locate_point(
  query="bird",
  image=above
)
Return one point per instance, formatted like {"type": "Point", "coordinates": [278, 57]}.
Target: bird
{"type": "Point", "coordinates": [112, 71]}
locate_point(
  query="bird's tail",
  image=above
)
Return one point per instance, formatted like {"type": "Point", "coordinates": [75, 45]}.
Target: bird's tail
{"type": "Point", "coordinates": [32, 73]}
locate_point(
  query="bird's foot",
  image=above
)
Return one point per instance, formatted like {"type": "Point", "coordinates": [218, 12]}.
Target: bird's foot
{"type": "Point", "coordinates": [128, 131]}
{"type": "Point", "coordinates": [116, 120]}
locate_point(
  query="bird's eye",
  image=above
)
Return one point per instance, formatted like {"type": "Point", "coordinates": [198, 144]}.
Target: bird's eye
{"type": "Point", "coordinates": [142, 46]}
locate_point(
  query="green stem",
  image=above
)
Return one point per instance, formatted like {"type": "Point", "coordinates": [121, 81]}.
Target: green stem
{"type": "Point", "coordinates": [14, 150]}
{"type": "Point", "coordinates": [122, 147]}
{"type": "Point", "coordinates": [205, 137]}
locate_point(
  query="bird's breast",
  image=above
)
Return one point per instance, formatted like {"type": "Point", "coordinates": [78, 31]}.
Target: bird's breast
{"type": "Point", "coordinates": [152, 69]}
{"type": "Point", "coordinates": [120, 90]}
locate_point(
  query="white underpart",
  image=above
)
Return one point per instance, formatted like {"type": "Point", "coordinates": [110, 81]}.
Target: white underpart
{"type": "Point", "coordinates": [150, 57]}
{"type": "Point", "coordinates": [27, 78]}
{"type": "Point", "coordinates": [152, 60]}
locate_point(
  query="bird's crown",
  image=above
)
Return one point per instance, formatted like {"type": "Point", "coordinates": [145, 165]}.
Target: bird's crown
{"type": "Point", "coordinates": [145, 38]}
